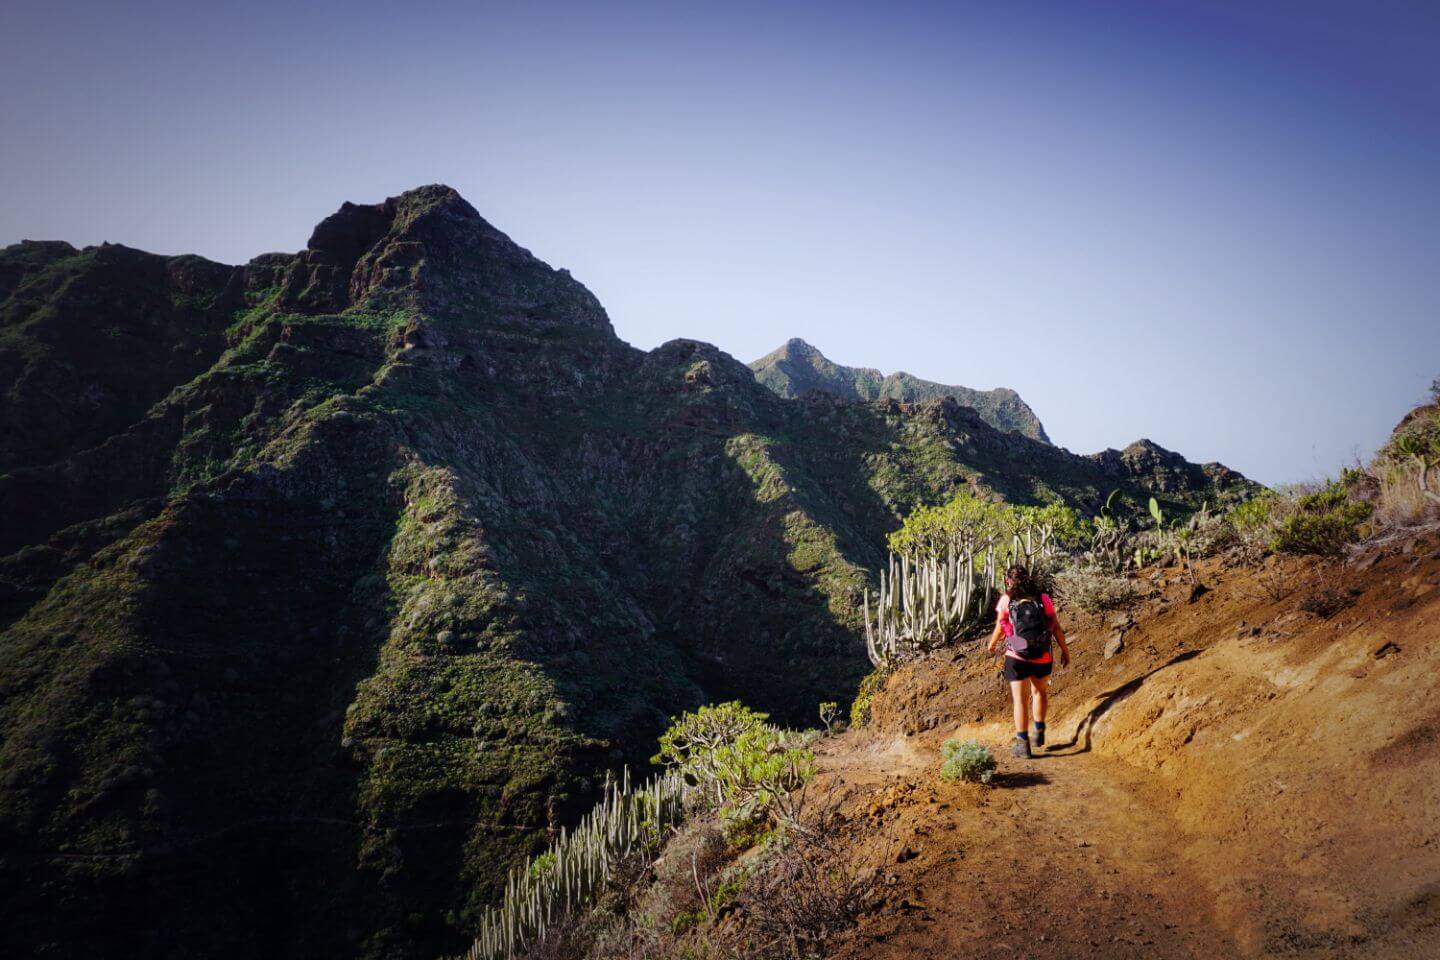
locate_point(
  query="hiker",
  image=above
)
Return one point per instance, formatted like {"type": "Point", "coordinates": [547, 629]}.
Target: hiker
{"type": "Point", "coordinates": [1026, 624]}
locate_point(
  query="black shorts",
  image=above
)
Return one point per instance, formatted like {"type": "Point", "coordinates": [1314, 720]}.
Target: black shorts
{"type": "Point", "coordinates": [1021, 670]}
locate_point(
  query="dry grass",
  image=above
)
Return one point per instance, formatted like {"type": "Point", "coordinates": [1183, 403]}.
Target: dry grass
{"type": "Point", "coordinates": [1399, 503]}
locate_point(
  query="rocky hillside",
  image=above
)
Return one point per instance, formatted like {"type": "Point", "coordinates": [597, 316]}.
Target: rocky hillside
{"type": "Point", "coordinates": [330, 582]}
{"type": "Point", "coordinates": [797, 368]}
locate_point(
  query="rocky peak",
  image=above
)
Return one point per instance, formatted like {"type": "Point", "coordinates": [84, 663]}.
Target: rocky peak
{"type": "Point", "coordinates": [349, 232]}
{"type": "Point", "coordinates": [1166, 471]}
{"type": "Point", "coordinates": [426, 250]}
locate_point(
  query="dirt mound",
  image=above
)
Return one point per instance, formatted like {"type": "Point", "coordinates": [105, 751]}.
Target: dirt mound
{"type": "Point", "coordinates": [1256, 772]}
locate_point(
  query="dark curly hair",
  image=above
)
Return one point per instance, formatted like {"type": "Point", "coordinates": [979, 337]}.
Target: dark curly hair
{"type": "Point", "coordinates": [1019, 584]}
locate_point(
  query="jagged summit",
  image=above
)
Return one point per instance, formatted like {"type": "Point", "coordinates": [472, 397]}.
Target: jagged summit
{"type": "Point", "coordinates": [425, 249]}
{"type": "Point", "coordinates": [1145, 461]}
{"type": "Point", "coordinates": [797, 368]}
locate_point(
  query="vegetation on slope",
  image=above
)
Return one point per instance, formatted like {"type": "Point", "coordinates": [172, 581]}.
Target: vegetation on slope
{"type": "Point", "coordinates": [312, 649]}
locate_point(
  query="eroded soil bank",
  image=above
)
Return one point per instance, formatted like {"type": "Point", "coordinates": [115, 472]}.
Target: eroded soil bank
{"type": "Point", "coordinates": [1255, 773]}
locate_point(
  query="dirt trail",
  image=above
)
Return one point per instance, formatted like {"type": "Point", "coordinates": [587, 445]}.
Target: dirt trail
{"type": "Point", "coordinates": [1246, 779]}
{"type": "Point", "coordinates": [1070, 855]}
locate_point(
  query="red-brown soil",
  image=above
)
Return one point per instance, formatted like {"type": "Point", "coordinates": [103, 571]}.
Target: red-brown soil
{"type": "Point", "coordinates": [1244, 779]}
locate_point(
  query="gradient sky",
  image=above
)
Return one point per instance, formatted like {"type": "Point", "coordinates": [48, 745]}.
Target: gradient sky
{"type": "Point", "coordinates": [1210, 224]}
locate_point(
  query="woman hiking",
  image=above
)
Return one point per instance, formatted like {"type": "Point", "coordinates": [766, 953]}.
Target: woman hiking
{"type": "Point", "coordinates": [1025, 623]}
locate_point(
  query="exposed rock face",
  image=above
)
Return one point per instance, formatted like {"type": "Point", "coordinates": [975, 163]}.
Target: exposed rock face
{"type": "Point", "coordinates": [329, 583]}
{"type": "Point", "coordinates": [797, 368]}
{"type": "Point", "coordinates": [1166, 472]}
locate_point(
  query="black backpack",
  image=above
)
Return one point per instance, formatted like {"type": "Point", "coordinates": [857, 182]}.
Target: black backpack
{"type": "Point", "coordinates": [1031, 638]}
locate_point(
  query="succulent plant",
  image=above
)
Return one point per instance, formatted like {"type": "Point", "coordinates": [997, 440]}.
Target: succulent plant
{"type": "Point", "coordinates": [569, 875]}
{"type": "Point", "coordinates": [949, 567]}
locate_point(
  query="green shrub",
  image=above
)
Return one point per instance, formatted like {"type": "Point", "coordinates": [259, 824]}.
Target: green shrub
{"type": "Point", "coordinates": [1255, 519]}
{"type": "Point", "coordinates": [739, 762]}
{"type": "Point", "coordinates": [541, 865]}
{"type": "Point", "coordinates": [742, 832]}
{"type": "Point", "coordinates": [860, 708]}
{"type": "Point", "coordinates": [970, 761]}
{"type": "Point", "coordinates": [1323, 522]}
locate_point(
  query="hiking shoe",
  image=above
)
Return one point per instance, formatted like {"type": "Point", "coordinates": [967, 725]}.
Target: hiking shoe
{"type": "Point", "coordinates": [1038, 737]}
{"type": "Point", "coordinates": [1021, 749]}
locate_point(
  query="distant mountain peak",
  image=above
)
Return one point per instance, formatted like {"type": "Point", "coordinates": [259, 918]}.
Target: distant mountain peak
{"type": "Point", "coordinates": [797, 368]}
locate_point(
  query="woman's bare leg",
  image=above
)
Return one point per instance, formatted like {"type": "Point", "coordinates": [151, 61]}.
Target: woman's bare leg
{"type": "Point", "coordinates": [1020, 695]}
{"type": "Point", "coordinates": [1042, 698]}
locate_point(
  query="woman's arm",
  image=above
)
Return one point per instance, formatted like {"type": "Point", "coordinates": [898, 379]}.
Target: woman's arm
{"type": "Point", "coordinates": [1058, 633]}
{"type": "Point", "coordinates": [995, 637]}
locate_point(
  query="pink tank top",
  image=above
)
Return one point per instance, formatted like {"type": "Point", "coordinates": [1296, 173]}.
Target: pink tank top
{"type": "Point", "coordinates": [1002, 607]}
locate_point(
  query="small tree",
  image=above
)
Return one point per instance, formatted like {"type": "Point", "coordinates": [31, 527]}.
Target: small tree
{"type": "Point", "coordinates": [759, 776]}
{"type": "Point", "coordinates": [829, 710]}
{"type": "Point", "coordinates": [692, 743]}
{"type": "Point", "coordinates": [743, 764]}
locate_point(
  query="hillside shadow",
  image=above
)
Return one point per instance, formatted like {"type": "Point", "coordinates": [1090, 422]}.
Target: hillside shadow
{"type": "Point", "coordinates": [1085, 728]}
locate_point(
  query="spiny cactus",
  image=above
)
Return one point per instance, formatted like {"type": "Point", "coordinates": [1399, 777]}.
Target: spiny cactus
{"type": "Point", "coordinates": [923, 604]}
{"type": "Point", "coordinates": [950, 566]}
{"type": "Point", "coordinates": [569, 875]}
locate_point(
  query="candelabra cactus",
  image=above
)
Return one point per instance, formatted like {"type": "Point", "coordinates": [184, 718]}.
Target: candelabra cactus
{"type": "Point", "coordinates": [923, 604]}
{"type": "Point", "coordinates": [945, 567]}
{"type": "Point", "coordinates": [573, 871]}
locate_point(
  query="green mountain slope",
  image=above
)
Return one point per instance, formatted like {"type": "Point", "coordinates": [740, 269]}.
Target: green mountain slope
{"type": "Point", "coordinates": [797, 368]}
{"type": "Point", "coordinates": [356, 570]}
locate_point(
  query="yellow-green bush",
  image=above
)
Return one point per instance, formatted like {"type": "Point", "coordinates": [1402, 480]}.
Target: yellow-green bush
{"type": "Point", "coordinates": [1322, 522]}
{"type": "Point", "coordinates": [860, 708]}
{"type": "Point", "coordinates": [740, 763]}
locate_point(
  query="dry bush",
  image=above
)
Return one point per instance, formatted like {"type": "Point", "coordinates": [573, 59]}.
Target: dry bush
{"type": "Point", "coordinates": [1273, 582]}
{"type": "Point", "coordinates": [804, 897]}
{"type": "Point", "coordinates": [1212, 534]}
{"type": "Point", "coordinates": [1399, 502]}
{"type": "Point", "coordinates": [1094, 589]}
{"type": "Point", "coordinates": [1326, 601]}
{"type": "Point", "coordinates": [570, 939]}
{"type": "Point", "coordinates": [658, 921]}
{"type": "Point", "coordinates": [806, 892]}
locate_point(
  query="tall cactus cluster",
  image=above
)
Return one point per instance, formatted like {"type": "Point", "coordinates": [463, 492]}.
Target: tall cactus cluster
{"type": "Point", "coordinates": [945, 567]}
{"type": "Point", "coordinates": [923, 604]}
{"type": "Point", "coordinates": [570, 875]}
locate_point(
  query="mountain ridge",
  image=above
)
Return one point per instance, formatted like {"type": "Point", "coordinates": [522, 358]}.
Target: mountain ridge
{"type": "Point", "coordinates": [330, 583]}
{"type": "Point", "coordinates": [796, 368]}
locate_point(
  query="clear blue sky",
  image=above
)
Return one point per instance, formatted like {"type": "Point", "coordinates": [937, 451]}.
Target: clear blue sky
{"type": "Point", "coordinates": [1212, 224]}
